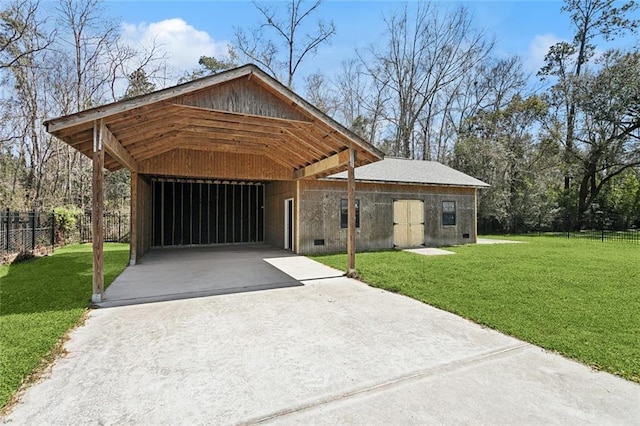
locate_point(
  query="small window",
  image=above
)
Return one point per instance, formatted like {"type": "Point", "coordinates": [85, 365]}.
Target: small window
{"type": "Point", "coordinates": [344, 213]}
{"type": "Point", "coordinates": [448, 213]}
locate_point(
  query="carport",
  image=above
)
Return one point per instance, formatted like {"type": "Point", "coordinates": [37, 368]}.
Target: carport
{"type": "Point", "coordinates": [201, 156]}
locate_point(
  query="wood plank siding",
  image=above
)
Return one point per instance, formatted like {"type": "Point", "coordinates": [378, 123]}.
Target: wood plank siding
{"type": "Point", "coordinates": [144, 217]}
{"type": "Point", "coordinates": [239, 97]}
{"type": "Point", "coordinates": [215, 165]}
{"type": "Point", "coordinates": [275, 194]}
{"type": "Point", "coordinates": [320, 215]}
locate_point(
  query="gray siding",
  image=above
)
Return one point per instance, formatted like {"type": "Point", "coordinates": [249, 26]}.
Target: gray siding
{"type": "Point", "coordinates": [320, 215]}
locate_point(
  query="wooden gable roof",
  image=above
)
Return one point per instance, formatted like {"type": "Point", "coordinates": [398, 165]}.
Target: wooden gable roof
{"type": "Point", "coordinates": [240, 111]}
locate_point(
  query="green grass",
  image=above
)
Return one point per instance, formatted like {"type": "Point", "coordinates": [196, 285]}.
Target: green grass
{"type": "Point", "coordinates": [40, 300]}
{"type": "Point", "coordinates": [578, 298]}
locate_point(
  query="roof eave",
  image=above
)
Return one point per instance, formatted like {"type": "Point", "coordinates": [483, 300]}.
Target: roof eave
{"type": "Point", "coordinates": [124, 105]}
{"type": "Point", "coordinates": [396, 182]}
{"type": "Point", "coordinates": [60, 123]}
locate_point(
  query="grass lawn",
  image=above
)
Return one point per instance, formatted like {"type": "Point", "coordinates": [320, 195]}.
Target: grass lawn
{"type": "Point", "coordinates": [578, 298]}
{"type": "Point", "coordinates": [40, 300]}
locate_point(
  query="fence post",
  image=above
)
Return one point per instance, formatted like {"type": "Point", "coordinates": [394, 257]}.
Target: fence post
{"type": "Point", "coordinates": [8, 230]}
{"type": "Point", "coordinates": [8, 227]}
{"type": "Point", "coordinates": [32, 220]}
{"type": "Point", "coordinates": [53, 228]}
{"type": "Point", "coordinates": [602, 235]}
{"type": "Point", "coordinates": [81, 232]}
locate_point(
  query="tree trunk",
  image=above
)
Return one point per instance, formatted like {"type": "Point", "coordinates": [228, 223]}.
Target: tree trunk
{"type": "Point", "coordinates": [588, 192]}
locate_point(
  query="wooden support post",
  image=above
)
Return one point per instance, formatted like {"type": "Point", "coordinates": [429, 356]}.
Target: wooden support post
{"type": "Point", "coordinates": [351, 215]}
{"type": "Point", "coordinates": [97, 215]}
{"type": "Point", "coordinates": [133, 220]}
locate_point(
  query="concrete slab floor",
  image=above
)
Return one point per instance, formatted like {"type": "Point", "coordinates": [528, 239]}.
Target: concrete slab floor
{"type": "Point", "coordinates": [180, 273]}
{"type": "Point", "coordinates": [333, 351]}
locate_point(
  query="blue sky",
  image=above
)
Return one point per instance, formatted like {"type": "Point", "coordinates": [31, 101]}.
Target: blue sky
{"type": "Point", "coordinates": [189, 29]}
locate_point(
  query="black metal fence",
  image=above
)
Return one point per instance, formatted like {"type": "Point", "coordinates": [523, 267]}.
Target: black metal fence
{"type": "Point", "coordinates": [26, 232]}
{"type": "Point", "coordinates": [628, 236]}
{"type": "Point", "coordinates": [115, 227]}
{"type": "Point", "coordinates": [23, 232]}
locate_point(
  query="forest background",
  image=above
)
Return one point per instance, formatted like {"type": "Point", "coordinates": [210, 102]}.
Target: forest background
{"type": "Point", "coordinates": [560, 149]}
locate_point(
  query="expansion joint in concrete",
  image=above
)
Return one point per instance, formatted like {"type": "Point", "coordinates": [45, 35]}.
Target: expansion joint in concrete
{"type": "Point", "coordinates": [398, 381]}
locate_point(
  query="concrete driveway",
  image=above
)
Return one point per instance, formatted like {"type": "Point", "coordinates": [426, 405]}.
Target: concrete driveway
{"type": "Point", "coordinates": [332, 351]}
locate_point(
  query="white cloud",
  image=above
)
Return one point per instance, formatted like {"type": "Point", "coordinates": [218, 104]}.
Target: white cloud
{"type": "Point", "coordinates": [538, 49]}
{"type": "Point", "coordinates": [182, 43]}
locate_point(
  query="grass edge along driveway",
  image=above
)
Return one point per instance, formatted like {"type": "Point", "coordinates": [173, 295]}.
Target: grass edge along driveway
{"type": "Point", "coordinates": [40, 301]}
{"type": "Point", "coordinates": [577, 298]}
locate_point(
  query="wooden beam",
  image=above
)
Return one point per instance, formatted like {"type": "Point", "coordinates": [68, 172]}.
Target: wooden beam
{"type": "Point", "coordinates": [224, 134]}
{"type": "Point", "coordinates": [228, 126]}
{"type": "Point", "coordinates": [97, 214]}
{"type": "Point", "coordinates": [115, 149]}
{"type": "Point", "coordinates": [65, 133]}
{"type": "Point", "coordinates": [133, 220]}
{"type": "Point", "coordinates": [351, 215]}
{"type": "Point", "coordinates": [148, 144]}
{"type": "Point", "coordinates": [294, 154]}
{"type": "Point", "coordinates": [307, 146]}
{"type": "Point", "coordinates": [151, 115]}
{"type": "Point", "coordinates": [147, 129]}
{"type": "Point", "coordinates": [323, 166]}
{"type": "Point", "coordinates": [280, 160]}
{"type": "Point", "coordinates": [198, 144]}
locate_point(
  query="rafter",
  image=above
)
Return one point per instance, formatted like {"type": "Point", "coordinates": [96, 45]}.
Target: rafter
{"type": "Point", "coordinates": [114, 148]}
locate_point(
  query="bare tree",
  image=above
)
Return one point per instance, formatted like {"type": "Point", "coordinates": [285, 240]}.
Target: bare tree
{"type": "Point", "coordinates": [319, 93]}
{"type": "Point", "coordinates": [25, 65]}
{"type": "Point", "coordinates": [360, 100]}
{"type": "Point", "coordinates": [20, 21]}
{"type": "Point", "coordinates": [426, 51]}
{"type": "Point", "coordinates": [279, 43]}
{"type": "Point", "coordinates": [488, 87]}
{"type": "Point", "coordinates": [92, 47]}
{"type": "Point", "coordinates": [95, 68]}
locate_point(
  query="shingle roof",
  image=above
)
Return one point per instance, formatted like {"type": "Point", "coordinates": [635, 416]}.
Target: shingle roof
{"type": "Point", "coordinates": [399, 170]}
